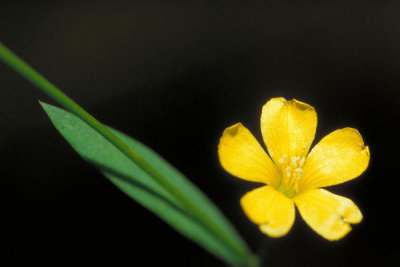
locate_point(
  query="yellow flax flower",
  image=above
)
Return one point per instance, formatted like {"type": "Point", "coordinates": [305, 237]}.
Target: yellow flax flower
{"type": "Point", "coordinates": [294, 177]}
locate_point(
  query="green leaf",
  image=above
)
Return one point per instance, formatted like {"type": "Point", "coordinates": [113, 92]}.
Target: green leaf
{"type": "Point", "coordinates": [140, 186]}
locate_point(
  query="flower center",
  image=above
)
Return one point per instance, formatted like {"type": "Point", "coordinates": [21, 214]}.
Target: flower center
{"type": "Point", "coordinates": [291, 172]}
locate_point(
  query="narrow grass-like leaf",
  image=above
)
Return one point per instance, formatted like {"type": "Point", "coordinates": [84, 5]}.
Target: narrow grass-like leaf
{"type": "Point", "coordinates": [140, 186]}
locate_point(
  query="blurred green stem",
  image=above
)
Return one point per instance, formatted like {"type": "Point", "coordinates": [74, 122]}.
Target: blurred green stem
{"type": "Point", "coordinates": [57, 95]}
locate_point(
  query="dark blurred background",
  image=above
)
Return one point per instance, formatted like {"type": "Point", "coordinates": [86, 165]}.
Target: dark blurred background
{"type": "Point", "coordinates": [174, 76]}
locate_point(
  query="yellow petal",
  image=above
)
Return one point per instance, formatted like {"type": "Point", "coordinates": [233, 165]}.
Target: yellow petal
{"type": "Point", "coordinates": [328, 214]}
{"type": "Point", "coordinates": [241, 155]}
{"type": "Point", "coordinates": [270, 209]}
{"type": "Point", "coordinates": [288, 128]}
{"type": "Point", "coordinates": [337, 158]}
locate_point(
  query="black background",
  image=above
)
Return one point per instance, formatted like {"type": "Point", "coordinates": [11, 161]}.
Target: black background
{"type": "Point", "coordinates": [174, 76]}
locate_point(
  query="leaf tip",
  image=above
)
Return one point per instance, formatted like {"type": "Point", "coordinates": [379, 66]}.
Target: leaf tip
{"type": "Point", "coordinates": [43, 104]}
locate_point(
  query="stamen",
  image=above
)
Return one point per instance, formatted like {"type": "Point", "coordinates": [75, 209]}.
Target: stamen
{"type": "Point", "coordinates": [302, 161]}
{"type": "Point", "coordinates": [292, 171]}
{"type": "Point", "coordinates": [294, 160]}
{"type": "Point", "coordinates": [288, 173]}
{"type": "Point", "coordinates": [299, 172]}
{"type": "Point", "coordinates": [282, 160]}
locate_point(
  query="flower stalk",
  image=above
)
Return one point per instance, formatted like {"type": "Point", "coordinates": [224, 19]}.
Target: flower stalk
{"type": "Point", "coordinates": [21, 67]}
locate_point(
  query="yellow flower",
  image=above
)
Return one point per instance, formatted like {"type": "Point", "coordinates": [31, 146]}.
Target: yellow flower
{"type": "Point", "coordinates": [293, 177]}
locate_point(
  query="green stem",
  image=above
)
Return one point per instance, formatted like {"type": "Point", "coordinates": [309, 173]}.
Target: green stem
{"type": "Point", "coordinates": [48, 88]}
